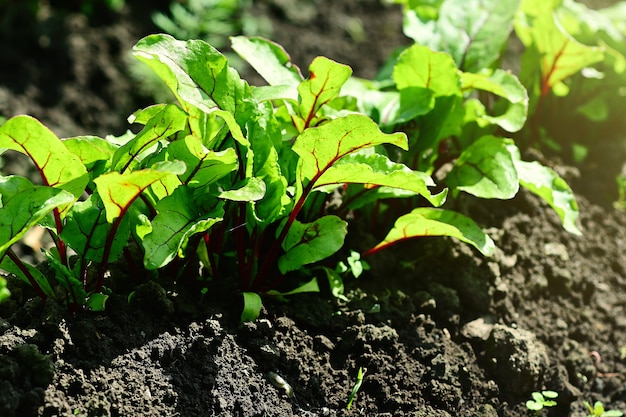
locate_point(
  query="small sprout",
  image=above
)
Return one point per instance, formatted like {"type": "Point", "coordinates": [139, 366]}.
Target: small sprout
{"type": "Point", "coordinates": [597, 410]}
{"type": "Point", "coordinates": [540, 400]}
{"type": "Point", "coordinates": [280, 383]}
{"type": "Point", "coordinates": [357, 386]}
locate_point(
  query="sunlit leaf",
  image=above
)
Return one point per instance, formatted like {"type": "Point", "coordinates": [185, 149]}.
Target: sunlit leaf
{"type": "Point", "coordinates": [485, 169]}
{"type": "Point", "coordinates": [548, 185]}
{"type": "Point", "coordinates": [422, 222]}
{"type": "Point", "coordinates": [57, 166]}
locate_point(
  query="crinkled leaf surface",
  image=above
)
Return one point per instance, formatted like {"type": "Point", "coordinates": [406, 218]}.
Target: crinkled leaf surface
{"type": "Point", "coordinates": [324, 83]}
{"type": "Point", "coordinates": [473, 31]}
{"type": "Point", "coordinates": [25, 205]}
{"type": "Point", "coordinates": [119, 191]}
{"type": "Point", "coordinates": [177, 220]}
{"type": "Point", "coordinates": [485, 169]}
{"type": "Point", "coordinates": [436, 222]}
{"type": "Point", "coordinates": [197, 74]}
{"type": "Point", "coordinates": [306, 243]}
{"type": "Point", "coordinates": [321, 147]}
{"type": "Point", "coordinates": [375, 169]}
{"type": "Point", "coordinates": [548, 185]}
{"type": "Point", "coordinates": [513, 110]}
{"type": "Point", "coordinates": [57, 166]}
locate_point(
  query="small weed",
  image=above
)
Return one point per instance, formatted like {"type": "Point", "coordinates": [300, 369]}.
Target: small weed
{"type": "Point", "coordinates": [357, 386]}
{"type": "Point", "coordinates": [540, 400]}
{"type": "Point", "coordinates": [597, 410]}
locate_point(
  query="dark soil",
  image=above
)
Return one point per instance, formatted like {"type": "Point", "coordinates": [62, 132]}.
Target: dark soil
{"type": "Point", "coordinates": [441, 330]}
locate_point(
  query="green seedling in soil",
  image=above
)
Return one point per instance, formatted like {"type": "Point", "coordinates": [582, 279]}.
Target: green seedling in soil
{"type": "Point", "coordinates": [240, 179]}
{"type": "Point", "coordinates": [541, 400]}
{"type": "Point", "coordinates": [356, 387]}
{"type": "Point", "coordinates": [597, 410]}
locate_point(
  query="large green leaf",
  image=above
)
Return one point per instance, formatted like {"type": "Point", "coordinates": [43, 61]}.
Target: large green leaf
{"type": "Point", "coordinates": [321, 147]}
{"type": "Point", "coordinates": [25, 205]}
{"type": "Point", "coordinates": [177, 220]}
{"type": "Point", "coordinates": [119, 191]}
{"type": "Point", "coordinates": [306, 243]}
{"type": "Point", "coordinates": [57, 166]}
{"type": "Point", "coordinates": [485, 169]}
{"type": "Point", "coordinates": [168, 121]}
{"type": "Point", "coordinates": [426, 221]}
{"type": "Point", "coordinates": [324, 83]}
{"type": "Point", "coordinates": [377, 170]}
{"type": "Point", "coordinates": [418, 66]}
{"type": "Point", "coordinates": [548, 185]}
{"type": "Point", "coordinates": [197, 74]}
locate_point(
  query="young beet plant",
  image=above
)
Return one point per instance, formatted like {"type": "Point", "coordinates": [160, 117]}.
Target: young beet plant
{"type": "Point", "coordinates": [234, 176]}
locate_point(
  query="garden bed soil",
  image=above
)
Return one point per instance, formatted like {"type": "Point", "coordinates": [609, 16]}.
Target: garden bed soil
{"type": "Point", "coordinates": [439, 329]}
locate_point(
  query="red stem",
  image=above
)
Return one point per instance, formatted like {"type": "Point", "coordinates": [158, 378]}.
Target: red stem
{"type": "Point", "coordinates": [18, 262]}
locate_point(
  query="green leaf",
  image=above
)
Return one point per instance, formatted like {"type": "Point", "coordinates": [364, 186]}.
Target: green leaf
{"type": "Point", "coordinates": [558, 55]}
{"type": "Point", "coordinates": [96, 302]}
{"type": "Point", "coordinates": [474, 31]}
{"type": "Point", "coordinates": [321, 147]}
{"type": "Point", "coordinates": [426, 221]}
{"type": "Point", "coordinates": [271, 61]}
{"type": "Point", "coordinates": [389, 108]}
{"type": "Point", "coordinates": [203, 166]}
{"type": "Point", "coordinates": [119, 191]}
{"type": "Point", "coordinates": [24, 206]}
{"type": "Point", "coordinates": [377, 170]}
{"type": "Point", "coordinates": [485, 169]}
{"type": "Point", "coordinates": [170, 120]}
{"type": "Point", "coordinates": [513, 111]}
{"type": "Point", "coordinates": [57, 166]}
{"type": "Point", "coordinates": [197, 73]}
{"type": "Point", "coordinates": [335, 283]}
{"type": "Point", "coordinates": [324, 83]}
{"type": "Point", "coordinates": [177, 220]}
{"type": "Point", "coordinates": [90, 150]}
{"type": "Point", "coordinates": [5, 294]}
{"type": "Point", "coordinates": [534, 406]}
{"type": "Point", "coordinates": [252, 190]}
{"type": "Point", "coordinates": [86, 231]}
{"type": "Point", "coordinates": [9, 266]}
{"type": "Point", "coordinates": [418, 66]}
{"type": "Point", "coordinates": [548, 185]}
{"type": "Point", "coordinates": [252, 306]}
{"type": "Point", "coordinates": [306, 243]}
